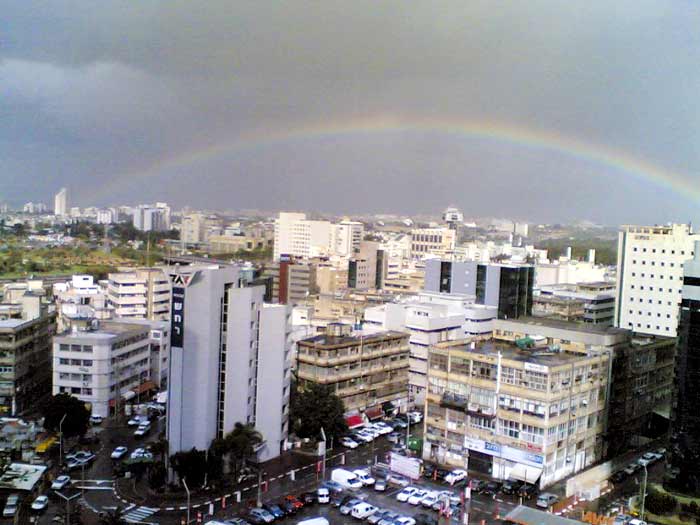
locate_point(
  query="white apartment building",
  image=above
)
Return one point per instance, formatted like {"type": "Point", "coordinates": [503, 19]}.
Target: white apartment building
{"type": "Point", "coordinates": [140, 293]}
{"type": "Point", "coordinates": [650, 276]}
{"type": "Point", "coordinates": [102, 363]}
{"type": "Point", "coordinates": [152, 218]}
{"type": "Point", "coordinates": [81, 297]}
{"type": "Point", "coordinates": [230, 360]}
{"type": "Point", "coordinates": [298, 237]}
{"type": "Point", "coordinates": [565, 271]}
{"type": "Point", "coordinates": [60, 203]}
{"type": "Point", "coordinates": [347, 236]}
{"type": "Point", "coordinates": [105, 217]}
{"type": "Point", "coordinates": [431, 318]}
{"type": "Point", "coordinates": [432, 241]}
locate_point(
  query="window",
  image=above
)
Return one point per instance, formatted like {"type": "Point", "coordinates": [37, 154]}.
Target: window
{"type": "Point", "coordinates": [509, 428]}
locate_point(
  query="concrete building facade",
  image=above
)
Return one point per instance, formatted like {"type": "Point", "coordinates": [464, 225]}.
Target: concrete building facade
{"type": "Point", "coordinates": [139, 293]}
{"type": "Point", "coordinates": [650, 276]}
{"type": "Point", "coordinates": [432, 241]}
{"type": "Point", "coordinates": [230, 360]}
{"type": "Point", "coordinates": [60, 203]}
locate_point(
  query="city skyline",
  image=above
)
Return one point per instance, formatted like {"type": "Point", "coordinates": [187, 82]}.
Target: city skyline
{"type": "Point", "coordinates": [352, 108]}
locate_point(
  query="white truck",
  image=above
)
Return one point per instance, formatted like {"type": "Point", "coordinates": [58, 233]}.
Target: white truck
{"type": "Point", "coordinates": [346, 479]}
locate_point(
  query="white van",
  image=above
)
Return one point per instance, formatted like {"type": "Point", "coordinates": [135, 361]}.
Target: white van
{"type": "Point", "coordinates": [323, 495]}
{"type": "Point", "coordinates": [363, 510]}
{"type": "Point", "coordinates": [346, 479]}
{"type": "Point", "coordinates": [314, 521]}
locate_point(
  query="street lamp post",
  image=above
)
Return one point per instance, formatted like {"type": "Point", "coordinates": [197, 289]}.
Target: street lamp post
{"type": "Point", "coordinates": [187, 489]}
{"type": "Point", "coordinates": [60, 439]}
{"type": "Point", "coordinates": [67, 499]}
{"type": "Point", "coordinates": [644, 494]}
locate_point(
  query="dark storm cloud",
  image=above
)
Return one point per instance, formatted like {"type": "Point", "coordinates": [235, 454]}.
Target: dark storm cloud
{"type": "Point", "coordinates": [92, 91]}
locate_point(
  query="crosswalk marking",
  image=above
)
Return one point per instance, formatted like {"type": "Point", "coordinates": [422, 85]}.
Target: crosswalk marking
{"type": "Point", "coordinates": [138, 514]}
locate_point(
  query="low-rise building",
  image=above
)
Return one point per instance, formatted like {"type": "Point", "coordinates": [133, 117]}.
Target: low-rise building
{"type": "Point", "coordinates": [365, 368]}
{"type": "Point", "coordinates": [586, 302]}
{"type": "Point", "coordinates": [104, 363]}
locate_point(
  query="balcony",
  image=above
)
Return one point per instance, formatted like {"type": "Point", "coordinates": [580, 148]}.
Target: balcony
{"type": "Point", "coordinates": [458, 402]}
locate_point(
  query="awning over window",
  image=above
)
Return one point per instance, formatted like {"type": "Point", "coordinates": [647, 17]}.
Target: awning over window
{"type": "Point", "coordinates": [525, 473]}
{"type": "Point", "coordinates": [375, 412]}
{"type": "Point", "coordinates": [354, 421]}
{"type": "Point", "coordinates": [146, 386]}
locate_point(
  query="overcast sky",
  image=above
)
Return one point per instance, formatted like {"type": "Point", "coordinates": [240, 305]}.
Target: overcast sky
{"type": "Point", "coordinates": [104, 97]}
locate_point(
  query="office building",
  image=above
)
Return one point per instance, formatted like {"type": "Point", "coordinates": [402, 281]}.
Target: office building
{"type": "Point", "coordinates": [365, 368]}
{"type": "Point", "coordinates": [346, 238]}
{"type": "Point", "coordinates": [106, 364]}
{"type": "Point", "coordinates": [686, 416]}
{"type": "Point", "coordinates": [229, 360]}
{"type": "Point", "coordinates": [220, 244]}
{"type": "Point", "coordinates": [152, 218]}
{"type": "Point", "coordinates": [508, 287]}
{"type": "Point", "coordinates": [139, 293]}
{"type": "Point", "coordinates": [430, 318]}
{"type": "Point", "coordinates": [292, 280]}
{"type": "Point", "coordinates": [26, 328]}
{"type": "Point", "coordinates": [296, 236]}
{"type": "Point", "coordinates": [60, 203]}
{"type": "Point", "coordinates": [368, 268]}
{"type": "Point", "coordinates": [432, 241]}
{"type": "Point", "coordinates": [511, 413]}
{"type": "Point", "coordinates": [105, 217]}
{"type": "Point", "coordinates": [650, 276]}
{"type": "Point", "coordinates": [585, 303]}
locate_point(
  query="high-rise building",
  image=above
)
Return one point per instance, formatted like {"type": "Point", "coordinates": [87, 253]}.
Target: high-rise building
{"type": "Point", "coordinates": [139, 293]}
{"type": "Point", "coordinates": [508, 287]}
{"type": "Point", "coordinates": [650, 276]}
{"type": "Point", "coordinates": [26, 328]}
{"type": "Point", "coordinates": [229, 361]}
{"type": "Point", "coordinates": [60, 203]}
{"type": "Point", "coordinates": [291, 281]}
{"type": "Point", "coordinates": [686, 416]}
{"type": "Point", "coordinates": [346, 239]}
{"type": "Point", "coordinates": [151, 218]}
{"type": "Point", "coordinates": [368, 267]}
{"type": "Point", "coordinates": [296, 236]}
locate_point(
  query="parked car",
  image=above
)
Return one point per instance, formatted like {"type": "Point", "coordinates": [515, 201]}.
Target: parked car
{"type": "Point", "coordinates": [429, 500]}
{"type": "Point", "coordinates": [60, 483]}
{"type": "Point", "coordinates": [347, 507]}
{"type": "Point", "coordinates": [323, 495]}
{"type": "Point", "coordinates": [380, 485]}
{"type": "Point", "coordinates": [455, 476]}
{"type": "Point", "coordinates": [526, 491]}
{"type": "Point", "coordinates": [142, 430]}
{"type": "Point", "coordinates": [141, 453]}
{"type": "Point", "coordinates": [389, 518]}
{"type": "Point", "coordinates": [546, 500]}
{"type": "Point", "coordinates": [333, 486]}
{"type": "Point", "coordinates": [405, 520]}
{"type": "Point", "coordinates": [363, 510]}
{"type": "Point", "coordinates": [417, 496]}
{"type": "Point", "coordinates": [348, 442]}
{"type": "Point", "coordinates": [259, 516]}
{"type": "Point", "coordinates": [364, 477]}
{"type": "Point", "coordinates": [337, 499]}
{"type": "Point", "coordinates": [491, 488]}
{"type": "Point", "coordinates": [377, 516]}
{"type": "Point", "coordinates": [137, 420]}
{"type": "Point", "coordinates": [287, 507]}
{"type": "Point", "coordinates": [415, 416]}
{"type": "Point", "coordinates": [511, 486]}
{"type": "Point", "coordinates": [395, 437]}
{"type": "Point", "coordinates": [477, 485]}
{"type": "Point", "coordinates": [399, 424]}
{"type": "Point", "coordinates": [425, 519]}
{"type": "Point", "coordinates": [406, 493]}
{"type": "Point", "coordinates": [96, 420]}
{"type": "Point", "coordinates": [118, 452]}
{"type": "Point", "coordinates": [294, 501]}
{"type": "Point", "coordinates": [275, 510]}
{"type": "Point", "coordinates": [40, 503]}
{"type": "Point", "coordinates": [308, 498]}
{"type": "Point", "coordinates": [11, 506]}
{"type": "Point", "coordinates": [631, 468]}
{"type": "Point", "coordinates": [346, 478]}
{"type": "Point", "coordinates": [397, 479]}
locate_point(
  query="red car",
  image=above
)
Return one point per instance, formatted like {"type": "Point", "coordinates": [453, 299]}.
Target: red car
{"type": "Point", "coordinates": [294, 501]}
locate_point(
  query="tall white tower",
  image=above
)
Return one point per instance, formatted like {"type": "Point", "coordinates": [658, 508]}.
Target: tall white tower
{"type": "Point", "coordinates": [60, 203]}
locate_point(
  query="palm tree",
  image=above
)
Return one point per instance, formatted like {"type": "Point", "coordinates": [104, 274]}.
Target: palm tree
{"type": "Point", "coordinates": [242, 443]}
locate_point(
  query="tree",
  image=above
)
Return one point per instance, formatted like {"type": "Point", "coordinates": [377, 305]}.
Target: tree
{"type": "Point", "coordinates": [77, 415]}
{"type": "Point", "coordinates": [113, 517]}
{"type": "Point", "coordinates": [241, 444]}
{"type": "Point", "coordinates": [659, 503]}
{"type": "Point", "coordinates": [190, 465]}
{"type": "Point", "coordinates": [318, 406]}
{"type": "Point", "coordinates": [157, 476]}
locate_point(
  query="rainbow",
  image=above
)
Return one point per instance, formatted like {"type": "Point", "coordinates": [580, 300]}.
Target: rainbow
{"type": "Point", "coordinates": [596, 154]}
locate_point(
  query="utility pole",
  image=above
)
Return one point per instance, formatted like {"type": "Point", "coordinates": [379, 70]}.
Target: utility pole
{"type": "Point", "coordinates": [187, 489]}
{"type": "Point", "coordinates": [643, 495]}
{"type": "Point", "coordinates": [60, 439]}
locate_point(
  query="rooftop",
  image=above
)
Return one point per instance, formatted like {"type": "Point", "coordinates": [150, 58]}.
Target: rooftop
{"type": "Point", "coordinates": [528, 516]}
{"type": "Point", "coordinates": [20, 476]}
{"type": "Point", "coordinates": [587, 328]}
{"type": "Point", "coordinates": [364, 337]}
{"type": "Point", "coordinates": [538, 356]}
